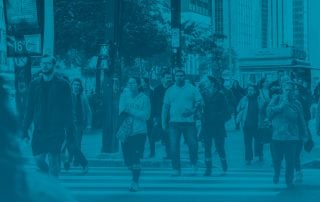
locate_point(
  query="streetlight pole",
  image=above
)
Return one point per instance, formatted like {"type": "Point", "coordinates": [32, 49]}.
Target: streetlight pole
{"type": "Point", "coordinates": [176, 34]}
{"type": "Point", "coordinates": [111, 83]}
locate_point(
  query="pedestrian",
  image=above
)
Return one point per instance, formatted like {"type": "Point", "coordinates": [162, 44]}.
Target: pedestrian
{"type": "Point", "coordinates": [146, 89]}
{"type": "Point", "coordinates": [19, 184]}
{"type": "Point", "coordinates": [275, 86]}
{"type": "Point", "coordinates": [289, 128]}
{"type": "Point", "coordinates": [213, 122]}
{"type": "Point", "coordinates": [181, 102]}
{"type": "Point", "coordinates": [263, 101]}
{"type": "Point", "coordinates": [135, 107]}
{"type": "Point", "coordinates": [229, 96]}
{"type": "Point", "coordinates": [248, 116]}
{"type": "Point", "coordinates": [304, 97]}
{"type": "Point", "coordinates": [82, 121]}
{"type": "Point", "coordinates": [238, 93]}
{"type": "Point", "coordinates": [156, 105]}
{"type": "Point", "coordinates": [49, 108]}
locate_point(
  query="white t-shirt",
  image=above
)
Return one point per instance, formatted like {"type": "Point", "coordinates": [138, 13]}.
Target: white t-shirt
{"type": "Point", "coordinates": [180, 100]}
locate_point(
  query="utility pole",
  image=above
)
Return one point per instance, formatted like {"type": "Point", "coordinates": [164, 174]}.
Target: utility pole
{"type": "Point", "coordinates": [176, 34]}
{"type": "Point", "coordinates": [111, 82]}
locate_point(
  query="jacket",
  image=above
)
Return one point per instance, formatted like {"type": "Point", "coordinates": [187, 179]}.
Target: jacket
{"type": "Point", "coordinates": [52, 121]}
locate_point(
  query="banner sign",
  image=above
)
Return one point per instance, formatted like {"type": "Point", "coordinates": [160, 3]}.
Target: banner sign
{"type": "Point", "coordinates": [24, 22]}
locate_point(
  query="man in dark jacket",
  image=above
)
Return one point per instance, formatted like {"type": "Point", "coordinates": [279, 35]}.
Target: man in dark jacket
{"type": "Point", "coordinates": [156, 104]}
{"type": "Point", "coordinates": [215, 113]}
{"type": "Point", "coordinates": [49, 108]}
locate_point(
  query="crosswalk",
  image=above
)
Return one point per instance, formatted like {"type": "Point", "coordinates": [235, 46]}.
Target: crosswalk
{"type": "Point", "coordinates": [112, 181]}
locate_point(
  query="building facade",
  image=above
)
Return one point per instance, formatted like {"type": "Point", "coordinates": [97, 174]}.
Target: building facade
{"type": "Point", "coordinates": [3, 48]}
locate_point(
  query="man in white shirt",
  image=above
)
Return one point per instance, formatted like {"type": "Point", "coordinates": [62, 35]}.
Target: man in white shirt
{"type": "Point", "coordinates": [181, 102]}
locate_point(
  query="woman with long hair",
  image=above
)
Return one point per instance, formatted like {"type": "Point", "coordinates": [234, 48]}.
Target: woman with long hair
{"type": "Point", "coordinates": [134, 108]}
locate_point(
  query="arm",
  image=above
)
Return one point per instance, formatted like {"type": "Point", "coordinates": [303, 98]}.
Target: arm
{"type": "Point", "coordinates": [142, 113]}
{"type": "Point", "coordinates": [275, 106]}
{"type": "Point", "coordinates": [165, 111]}
{"type": "Point", "coordinates": [28, 116]}
{"type": "Point", "coordinates": [88, 111]}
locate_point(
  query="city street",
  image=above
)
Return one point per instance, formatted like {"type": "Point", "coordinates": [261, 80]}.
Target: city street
{"type": "Point", "coordinates": [108, 179]}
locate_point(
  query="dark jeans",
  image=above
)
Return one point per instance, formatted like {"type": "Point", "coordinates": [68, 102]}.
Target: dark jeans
{"type": "Point", "coordinates": [53, 168]}
{"type": "Point", "coordinates": [151, 140]}
{"type": "Point", "coordinates": [251, 135]}
{"type": "Point", "coordinates": [287, 150]}
{"type": "Point", "coordinates": [219, 142]}
{"type": "Point", "coordinates": [298, 154]}
{"type": "Point", "coordinates": [132, 150]}
{"type": "Point", "coordinates": [74, 147]}
{"type": "Point", "coordinates": [190, 135]}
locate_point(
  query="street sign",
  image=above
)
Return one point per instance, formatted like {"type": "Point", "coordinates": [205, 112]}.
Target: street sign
{"type": "Point", "coordinates": [26, 45]}
{"type": "Point", "coordinates": [24, 23]}
{"type": "Point", "coordinates": [175, 34]}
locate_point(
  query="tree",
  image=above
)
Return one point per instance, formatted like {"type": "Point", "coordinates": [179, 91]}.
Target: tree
{"type": "Point", "coordinates": [78, 27]}
{"type": "Point", "coordinates": [144, 32]}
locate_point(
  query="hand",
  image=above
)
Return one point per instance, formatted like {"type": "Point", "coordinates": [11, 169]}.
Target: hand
{"type": "Point", "coordinates": [187, 113]}
{"type": "Point", "coordinates": [25, 136]}
{"type": "Point", "coordinates": [164, 126]}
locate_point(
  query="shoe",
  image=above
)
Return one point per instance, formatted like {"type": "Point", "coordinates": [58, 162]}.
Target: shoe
{"type": "Point", "coordinates": [166, 158]}
{"type": "Point", "coordinates": [298, 177]}
{"type": "Point", "coordinates": [207, 173]}
{"type": "Point", "coordinates": [248, 163]}
{"type": "Point", "coordinates": [261, 158]}
{"type": "Point", "coordinates": [151, 155]}
{"type": "Point", "coordinates": [194, 170]}
{"type": "Point", "coordinates": [85, 170]}
{"type": "Point", "coordinates": [176, 173]}
{"type": "Point", "coordinates": [275, 180]}
{"type": "Point", "coordinates": [224, 165]}
{"type": "Point", "coordinates": [66, 166]}
{"type": "Point", "coordinates": [290, 186]}
{"type": "Point", "coordinates": [76, 164]}
{"type": "Point", "coordinates": [134, 187]}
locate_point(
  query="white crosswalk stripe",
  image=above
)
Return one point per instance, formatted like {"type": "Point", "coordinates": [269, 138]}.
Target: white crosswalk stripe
{"type": "Point", "coordinates": [157, 181]}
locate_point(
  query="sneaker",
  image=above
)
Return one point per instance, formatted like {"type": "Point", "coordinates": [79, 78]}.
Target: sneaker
{"type": "Point", "coordinates": [85, 170]}
{"type": "Point", "coordinates": [134, 187]}
{"type": "Point", "coordinates": [207, 173]}
{"type": "Point", "coordinates": [275, 180]}
{"type": "Point", "coordinates": [176, 173]}
{"type": "Point", "coordinates": [194, 170]}
{"type": "Point", "coordinates": [298, 177]}
{"type": "Point", "coordinates": [224, 165]}
{"type": "Point", "coordinates": [66, 166]}
{"type": "Point", "coordinates": [290, 186]}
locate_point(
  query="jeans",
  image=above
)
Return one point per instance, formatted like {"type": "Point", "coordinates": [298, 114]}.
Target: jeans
{"type": "Point", "coordinates": [132, 150]}
{"type": "Point", "coordinates": [251, 135]}
{"type": "Point", "coordinates": [190, 135]}
{"type": "Point", "coordinates": [287, 150]}
{"type": "Point", "coordinates": [219, 145]}
{"type": "Point", "coordinates": [74, 147]}
{"type": "Point", "coordinates": [297, 156]}
{"type": "Point", "coordinates": [53, 169]}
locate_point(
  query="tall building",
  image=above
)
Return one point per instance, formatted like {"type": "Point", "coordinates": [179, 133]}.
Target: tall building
{"type": "Point", "coordinates": [3, 47]}
{"type": "Point", "coordinates": [285, 23]}
{"type": "Point", "coordinates": [239, 21]}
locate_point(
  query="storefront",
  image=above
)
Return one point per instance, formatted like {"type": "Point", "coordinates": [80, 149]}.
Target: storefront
{"type": "Point", "coordinates": [258, 64]}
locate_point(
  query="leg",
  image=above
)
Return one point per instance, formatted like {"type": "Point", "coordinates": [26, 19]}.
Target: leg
{"type": "Point", "coordinates": [207, 138]}
{"type": "Point", "coordinates": [248, 145]}
{"type": "Point", "coordinates": [297, 156]}
{"type": "Point", "coordinates": [41, 163]}
{"type": "Point", "coordinates": [219, 144]}
{"type": "Point", "coordinates": [277, 155]}
{"type": "Point", "coordinates": [138, 145]}
{"type": "Point", "coordinates": [190, 135]}
{"type": "Point", "coordinates": [54, 164]}
{"type": "Point", "coordinates": [258, 145]}
{"type": "Point", "coordinates": [290, 156]}
{"type": "Point", "coordinates": [174, 141]}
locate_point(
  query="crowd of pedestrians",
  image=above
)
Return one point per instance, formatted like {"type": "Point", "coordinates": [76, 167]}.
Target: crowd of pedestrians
{"type": "Point", "coordinates": [277, 113]}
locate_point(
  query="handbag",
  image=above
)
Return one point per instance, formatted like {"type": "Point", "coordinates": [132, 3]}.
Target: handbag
{"type": "Point", "coordinates": [308, 145]}
{"type": "Point", "coordinates": [126, 127]}
{"type": "Point", "coordinates": [265, 132]}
